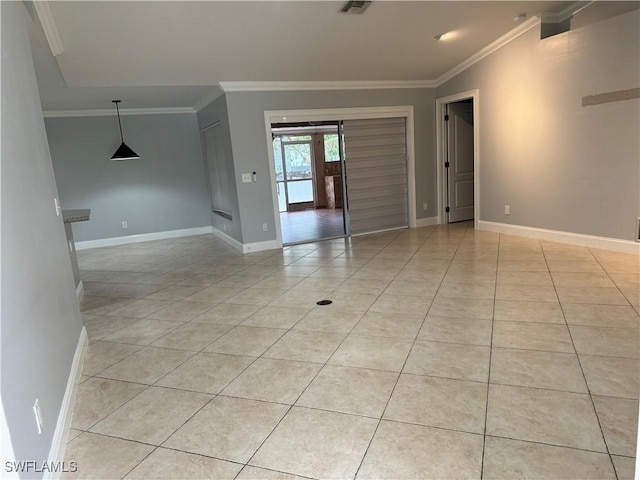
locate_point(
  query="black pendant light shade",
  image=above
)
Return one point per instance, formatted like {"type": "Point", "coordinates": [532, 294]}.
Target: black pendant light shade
{"type": "Point", "coordinates": [123, 152]}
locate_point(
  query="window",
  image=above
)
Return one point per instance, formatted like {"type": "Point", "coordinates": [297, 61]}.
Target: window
{"type": "Point", "coordinates": [331, 148]}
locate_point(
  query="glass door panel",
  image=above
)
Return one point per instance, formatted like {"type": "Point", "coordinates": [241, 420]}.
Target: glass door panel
{"type": "Point", "coordinates": [297, 157]}
{"type": "Point", "coordinates": [300, 191]}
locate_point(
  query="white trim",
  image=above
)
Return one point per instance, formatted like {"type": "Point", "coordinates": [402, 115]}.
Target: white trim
{"type": "Point", "coordinates": [144, 237]}
{"type": "Point", "coordinates": [427, 222]}
{"type": "Point", "coordinates": [583, 240]}
{"type": "Point", "coordinates": [323, 85]}
{"type": "Point", "coordinates": [207, 99]}
{"type": "Point", "coordinates": [63, 425]}
{"type": "Point", "coordinates": [260, 246]}
{"type": "Point", "coordinates": [384, 230]}
{"type": "Point", "coordinates": [80, 290]}
{"type": "Point", "coordinates": [354, 113]}
{"type": "Point", "coordinates": [230, 240]}
{"type": "Point", "coordinates": [488, 50]}
{"type": "Point", "coordinates": [49, 26]}
{"type": "Point", "coordinates": [440, 105]}
{"type": "Point", "coordinates": [108, 112]}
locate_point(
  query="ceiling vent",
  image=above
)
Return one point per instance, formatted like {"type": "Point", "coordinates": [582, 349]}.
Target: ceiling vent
{"type": "Point", "coordinates": [356, 7]}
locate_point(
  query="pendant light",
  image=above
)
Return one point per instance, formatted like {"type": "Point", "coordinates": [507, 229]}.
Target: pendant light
{"type": "Point", "coordinates": [123, 152]}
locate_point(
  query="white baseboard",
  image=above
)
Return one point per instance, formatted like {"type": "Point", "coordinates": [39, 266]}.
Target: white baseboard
{"type": "Point", "coordinates": [427, 222]}
{"type": "Point", "coordinates": [144, 237]}
{"type": "Point", "coordinates": [230, 240]}
{"type": "Point", "coordinates": [260, 246]}
{"type": "Point", "coordinates": [79, 289]}
{"type": "Point", "coordinates": [582, 240]}
{"type": "Point", "coordinates": [63, 426]}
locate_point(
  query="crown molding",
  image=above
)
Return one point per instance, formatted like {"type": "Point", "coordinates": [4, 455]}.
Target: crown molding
{"type": "Point", "coordinates": [110, 112]}
{"type": "Point", "coordinates": [488, 50]}
{"type": "Point", "coordinates": [49, 26]}
{"type": "Point", "coordinates": [208, 98]}
{"type": "Point", "coordinates": [565, 14]}
{"type": "Point", "coordinates": [323, 85]}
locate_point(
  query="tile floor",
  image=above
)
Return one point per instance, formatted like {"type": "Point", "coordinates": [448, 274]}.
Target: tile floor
{"type": "Point", "coordinates": [447, 353]}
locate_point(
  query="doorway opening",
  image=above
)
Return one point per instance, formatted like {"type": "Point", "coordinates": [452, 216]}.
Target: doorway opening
{"type": "Point", "coordinates": [458, 159]}
{"type": "Point", "coordinates": [309, 184]}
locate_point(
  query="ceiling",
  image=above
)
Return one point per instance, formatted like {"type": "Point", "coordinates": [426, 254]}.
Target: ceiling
{"type": "Point", "coordinates": [174, 53]}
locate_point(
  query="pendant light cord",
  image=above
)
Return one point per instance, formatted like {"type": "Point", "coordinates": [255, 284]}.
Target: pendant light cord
{"type": "Point", "coordinates": [119, 124]}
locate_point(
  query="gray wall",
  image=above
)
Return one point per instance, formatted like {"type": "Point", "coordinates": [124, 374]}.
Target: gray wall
{"type": "Point", "coordinates": [246, 116]}
{"type": "Point", "coordinates": [40, 324]}
{"type": "Point", "coordinates": [217, 112]}
{"type": "Point", "coordinates": [559, 165]}
{"type": "Point", "coordinates": [164, 190]}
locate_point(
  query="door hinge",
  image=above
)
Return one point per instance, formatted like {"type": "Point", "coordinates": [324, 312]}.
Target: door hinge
{"type": "Point", "coordinates": [446, 118]}
{"type": "Point", "coordinates": [446, 164]}
{"type": "Point", "coordinates": [447, 209]}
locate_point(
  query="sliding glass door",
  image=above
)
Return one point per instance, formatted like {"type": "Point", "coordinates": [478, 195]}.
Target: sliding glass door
{"type": "Point", "coordinates": [294, 172]}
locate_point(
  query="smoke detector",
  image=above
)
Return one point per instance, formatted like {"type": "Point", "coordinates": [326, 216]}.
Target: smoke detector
{"type": "Point", "coordinates": [355, 7]}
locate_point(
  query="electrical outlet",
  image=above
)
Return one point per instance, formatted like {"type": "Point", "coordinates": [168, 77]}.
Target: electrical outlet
{"type": "Point", "coordinates": [507, 210]}
{"type": "Point", "coordinates": [246, 178]}
{"type": "Point", "coordinates": [38, 414]}
{"type": "Point", "coordinates": [125, 224]}
{"type": "Point", "coordinates": [425, 206]}
{"type": "Point", "coordinates": [265, 227]}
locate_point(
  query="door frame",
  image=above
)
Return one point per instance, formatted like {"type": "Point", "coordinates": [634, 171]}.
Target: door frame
{"type": "Point", "coordinates": [441, 172]}
{"type": "Point", "coordinates": [328, 114]}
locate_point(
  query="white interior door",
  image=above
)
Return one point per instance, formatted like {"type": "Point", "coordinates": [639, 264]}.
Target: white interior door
{"type": "Point", "coordinates": [459, 163]}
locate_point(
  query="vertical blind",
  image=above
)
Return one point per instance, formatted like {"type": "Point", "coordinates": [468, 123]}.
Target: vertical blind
{"type": "Point", "coordinates": [376, 173]}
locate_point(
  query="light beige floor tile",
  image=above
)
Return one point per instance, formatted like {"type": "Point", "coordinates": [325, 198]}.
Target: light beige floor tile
{"type": "Point", "coordinates": [504, 458]}
{"type": "Point", "coordinates": [439, 402]}
{"type": "Point", "coordinates": [170, 464]}
{"type": "Point", "coordinates": [616, 377]}
{"type": "Point", "coordinates": [228, 428]}
{"type": "Point", "coordinates": [146, 365]}
{"type": "Point", "coordinates": [409, 287]}
{"type": "Point", "coordinates": [192, 336]}
{"type": "Point", "coordinates": [625, 467]}
{"type": "Point", "coordinates": [468, 289]}
{"type": "Point", "coordinates": [601, 315]}
{"type": "Point", "coordinates": [317, 443]}
{"type": "Point", "coordinates": [101, 355]}
{"type": "Point", "coordinates": [278, 282]}
{"type": "Point", "coordinates": [318, 284]}
{"type": "Point", "coordinates": [574, 266]}
{"type": "Point", "coordinates": [251, 341]}
{"type": "Point", "coordinates": [256, 296]}
{"type": "Point", "coordinates": [532, 336]}
{"type": "Point", "coordinates": [206, 372]}
{"type": "Point", "coordinates": [214, 294]}
{"type": "Point", "coordinates": [462, 308]}
{"type": "Point", "coordinates": [227, 314]}
{"type": "Point", "coordinates": [152, 416]}
{"type": "Point", "coordinates": [140, 308]}
{"type": "Point", "coordinates": [543, 416]}
{"type": "Point", "coordinates": [507, 265]}
{"type": "Point", "coordinates": [619, 420]}
{"type": "Point", "coordinates": [415, 452]}
{"type": "Point", "coordinates": [97, 398]}
{"type": "Point", "coordinates": [369, 286]}
{"type": "Point", "coordinates": [101, 457]}
{"type": "Point", "coordinates": [255, 473]}
{"type": "Point", "coordinates": [591, 295]}
{"type": "Point", "coordinates": [73, 433]}
{"type": "Point", "coordinates": [614, 342]}
{"type": "Point", "coordinates": [378, 324]}
{"type": "Point", "coordinates": [276, 317]}
{"type": "Point", "coordinates": [273, 380]}
{"type": "Point", "coordinates": [451, 360]}
{"type": "Point", "coordinates": [143, 332]}
{"type": "Point", "coordinates": [358, 391]}
{"type": "Point", "coordinates": [401, 305]}
{"type": "Point", "coordinates": [305, 346]}
{"type": "Point", "coordinates": [527, 368]}
{"type": "Point", "coordinates": [181, 311]}
{"type": "Point", "coordinates": [520, 311]}
{"type": "Point", "coordinates": [173, 292]}
{"type": "Point", "coordinates": [456, 330]}
{"type": "Point", "coordinates": [298, 299]}
{"type": "Point", "coordinates": [322, 320]}
{"type": "Point", "coordinates": [380, 353]}
{"type": "Point", "coordinates": [582, 279]}
{"type": "Point", "coordinates": [240, 280]}
{"type": "Point", "coordinates": [350, 302]}
{"type": "Point", "coordinates": [526, 293]}
{"type": "Point", "coordinates": [524, 278]}
{"type": "Point", "coordinates": [100, 327]}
